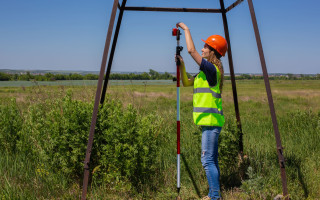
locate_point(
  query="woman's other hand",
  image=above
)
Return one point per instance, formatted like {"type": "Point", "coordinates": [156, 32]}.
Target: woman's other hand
{"type": "Point", "coordinates": [181, 25]}
{"type": "Point", "coordinates": [180, 59]}
{"type": "Point", "coordinates": [185, 80]}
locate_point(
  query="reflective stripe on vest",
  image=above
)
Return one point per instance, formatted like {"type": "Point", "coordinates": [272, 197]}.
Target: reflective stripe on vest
{"type": "Point", "coordinates": [206, 90]}
{"type": "Point", "coordinates": [207, 110]}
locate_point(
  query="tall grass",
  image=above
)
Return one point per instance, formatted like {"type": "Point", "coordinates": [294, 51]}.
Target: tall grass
{"type": "Point", "coordinates": [23, 178]}
{"type": "Point", "coordinates": [257, 178]}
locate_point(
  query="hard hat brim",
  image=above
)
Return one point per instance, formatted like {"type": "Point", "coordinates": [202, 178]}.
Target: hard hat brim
{"type": "Point", "coordinates": [207, 43]}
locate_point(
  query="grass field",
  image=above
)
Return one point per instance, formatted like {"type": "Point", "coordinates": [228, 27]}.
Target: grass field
{"type": "Point", "coordinates": [82, 83]}
{"type": "Point", "coordinates": [297, 105]}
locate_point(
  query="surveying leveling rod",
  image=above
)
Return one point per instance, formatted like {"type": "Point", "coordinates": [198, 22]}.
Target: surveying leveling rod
{"type": "Point", "coordinates": [176, 32]}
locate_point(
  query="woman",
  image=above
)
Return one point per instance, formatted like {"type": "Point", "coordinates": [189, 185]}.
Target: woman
{"type": "Point", "coordinates": [207, 102]}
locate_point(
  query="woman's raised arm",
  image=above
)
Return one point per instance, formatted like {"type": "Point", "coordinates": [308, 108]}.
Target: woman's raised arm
{"type": "Point", "coordinates": [190, 46]}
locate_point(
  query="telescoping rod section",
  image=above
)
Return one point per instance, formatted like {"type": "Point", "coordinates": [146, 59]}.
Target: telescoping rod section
{"type": "Point", "coordinates": [233, 79]}
{"type": "Point", "coordinates": [178, 127]}
{"type": "Point", "coordinates": [270, 100]}
{"type": "Point", "coordinates": [176, 32]}
{"type": "Point", "coordinates": [113, 47]}
{"type": "Point", "coordinates": [96, 102]}
{"type": "Point", "coordinates": [178, 49]}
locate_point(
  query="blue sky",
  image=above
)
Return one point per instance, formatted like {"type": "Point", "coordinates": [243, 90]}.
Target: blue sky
{"type": "Point", "coordinates": [70, 35]}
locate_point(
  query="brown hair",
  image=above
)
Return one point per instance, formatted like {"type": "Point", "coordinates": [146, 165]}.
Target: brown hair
{"type": "Point", "coordinates": [214, 58]}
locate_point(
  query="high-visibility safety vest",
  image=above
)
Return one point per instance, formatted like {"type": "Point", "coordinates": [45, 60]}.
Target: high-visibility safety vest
{"type": "Point", "coordinates": [207, 102]}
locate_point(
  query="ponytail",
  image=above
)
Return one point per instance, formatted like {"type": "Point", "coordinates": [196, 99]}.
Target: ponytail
{"type": "Point", "coordinates": [214, 58]}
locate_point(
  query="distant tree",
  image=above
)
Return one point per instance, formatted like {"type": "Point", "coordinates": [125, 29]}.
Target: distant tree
{"type": "Point", "coordinates": [76, 77]}
{"type": "Point", "coordinates": [167, 76]}
{"type": "Point", "coordinates": [4, 77]}
{"type": "Point", "coordinates": [145, 76]}
{"type": "Point", "coordinates": [91, 77]}
{"type": "Point", "coordinates": [29, 76]}
{"type": "Point", "coordinates": [23, 77]}
{"type": "Point", "coordinates": [49, 77]}
{"type": "Point", "coordinates": [245, 76]}
{"type": "Point", "coordinates": [40, 78]}
{"type": "Point", "coordinates": [132, 76]}
{"type": "Point", "coordinates": [154, 74]}
{"type": "Point", "coordinates": [15, 77]}
{"type": "Point", "coordinates": [60, 77]}
{"type": "Point", "coordinates": [114, 77]}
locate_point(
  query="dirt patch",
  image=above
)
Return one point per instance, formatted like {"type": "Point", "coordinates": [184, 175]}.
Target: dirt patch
{"type": "Point", "coordinates": [245, 98]}
{"type": "Point", "coordinates": [153, 94]}
{"type": "Point", "coordinates": [258, 97]}
{"type": "Point", "coordinates": [20, 97]}
{"type": "Point", "coordinates": [298, 93]}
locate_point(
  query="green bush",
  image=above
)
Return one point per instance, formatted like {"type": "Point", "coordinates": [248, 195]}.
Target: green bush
{"type": "Point", "coordinates": [228, 154]}
{"type": "Point", "coordinates": [228, 146]}
{"type": "Point", "coordinates": [10, 123]}
{"type": "Point", "coordinates": [127, 145]}
{"type": "Point", "coordinates": [124, 149]}
{"type": "Point", "coordinates": [56, 132]}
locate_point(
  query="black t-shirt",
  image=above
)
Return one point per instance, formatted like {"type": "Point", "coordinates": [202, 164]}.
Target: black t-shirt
{"type": "Point", "coordinates": [210, 71]}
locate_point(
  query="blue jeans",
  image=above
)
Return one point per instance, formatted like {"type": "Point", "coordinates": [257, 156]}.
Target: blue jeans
{"type": "Point", "coordinates": [209, 159]}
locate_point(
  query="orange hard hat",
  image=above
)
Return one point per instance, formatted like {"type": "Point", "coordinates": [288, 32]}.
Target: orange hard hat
{"type": "Point", "coordinates": [218, 43]}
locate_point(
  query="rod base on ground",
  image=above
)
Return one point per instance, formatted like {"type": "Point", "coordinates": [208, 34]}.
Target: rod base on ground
{"type": "Point", "coordinates": [178, 197]}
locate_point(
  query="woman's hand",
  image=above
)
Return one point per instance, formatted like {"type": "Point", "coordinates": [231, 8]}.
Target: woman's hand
{"type": "Point", "coordinates": [181, 25]}
{"type": "Point", "coordinates": [180, 59]}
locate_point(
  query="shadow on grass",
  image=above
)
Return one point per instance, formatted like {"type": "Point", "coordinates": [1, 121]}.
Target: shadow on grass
{"type": "Point", "coordinates": [295, 163]}
{"type": "Point", "coordinates": [190, 175]}
{"type": "Point", "coordinates": [236, 174]}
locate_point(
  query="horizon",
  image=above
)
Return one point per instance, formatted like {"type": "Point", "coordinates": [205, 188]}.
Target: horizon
{"type": "Point", "coordinates": [137, 72]}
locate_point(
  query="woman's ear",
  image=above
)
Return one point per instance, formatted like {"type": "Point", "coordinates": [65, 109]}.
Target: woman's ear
{"type": "Point", "coordinates": [211, 54]}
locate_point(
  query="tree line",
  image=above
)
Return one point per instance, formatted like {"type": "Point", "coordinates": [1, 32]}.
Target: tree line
{"type": "Point", "coordinates": [152, 75]}
{"type": "Point", "coordinates": [276, 77]}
